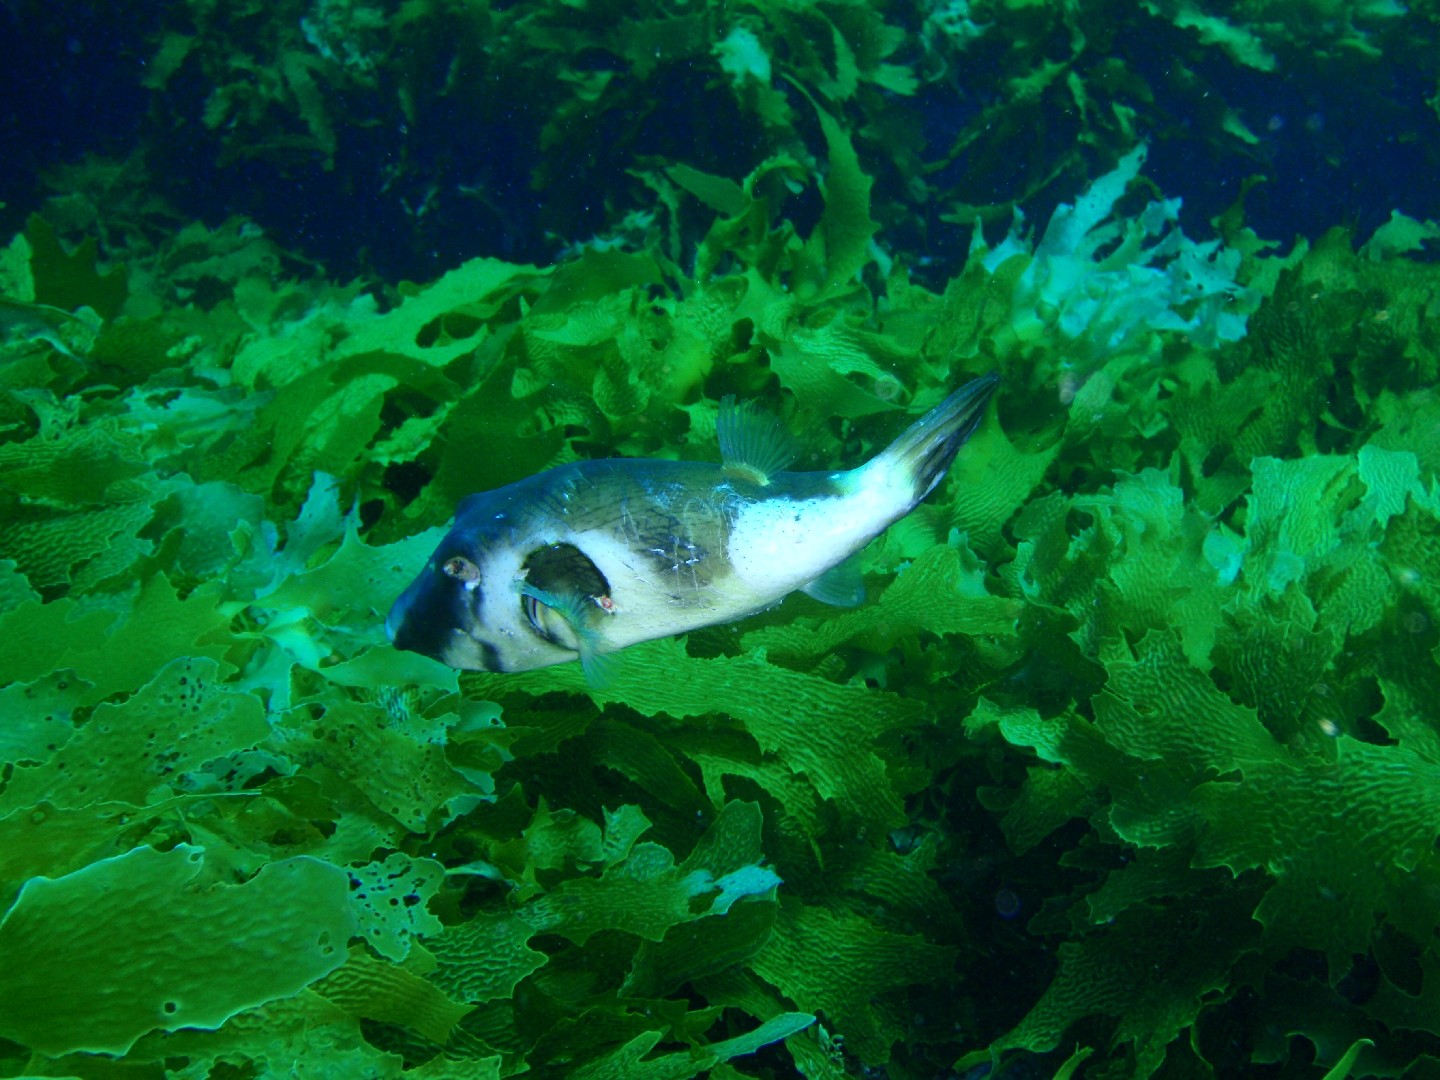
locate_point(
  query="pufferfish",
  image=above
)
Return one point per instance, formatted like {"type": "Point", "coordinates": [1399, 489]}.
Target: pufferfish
{"type": "Point", "coordinates": [587, 558]}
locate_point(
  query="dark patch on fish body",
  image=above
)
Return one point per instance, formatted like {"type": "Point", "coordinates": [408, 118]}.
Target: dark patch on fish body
{"type": "Point", "coordinates": [669, 515]}
{"type": "Point", "coordinates": [564, 568]}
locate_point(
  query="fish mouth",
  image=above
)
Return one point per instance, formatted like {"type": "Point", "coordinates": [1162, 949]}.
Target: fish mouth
{"type": "Point", "coordinates": [431, 618]}
{"type": "Point", "coordinates": [395, 625]}
{"type": "Point", "coordinates": [452, 646]}
{"type": "Point", "coordinates": [469, 653]}
{"type": "Point", "coordinates": [412, 612]}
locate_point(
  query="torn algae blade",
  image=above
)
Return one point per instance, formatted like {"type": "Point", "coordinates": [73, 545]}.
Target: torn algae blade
{"type": "Point", "coordinates": [647, 893]}
{"type": "Point", "coordinates": [143, 749]}
{"type": "Point", "coordinates": [20, 321]}
{"type": "Point", "coordinates": [391, 902]}
{"type": "Point", "coordinates": [93, 960]}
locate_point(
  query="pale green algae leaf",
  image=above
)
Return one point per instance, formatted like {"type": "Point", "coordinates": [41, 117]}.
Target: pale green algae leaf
{"type": "Point", "coordinates": [1389, 476]}
{"type": "Point", "coordinates": [472, 286]}
{"type": "Point", "coordinates": [391, 902]}
{"type": "Point", "coordinates": [1400, 235]}
{"type": "Point", "coordinates": [139, 750]}
{"type": "Point", "coordinates": [772, 1030]}
{"type": "Point", "coordinates": [1107, 284]}
{"type": "Point", "coordinates": [1243, 45]}
{"type": "Point", "coordinates": [93, 960]}
{"type": "Point", "coordinates": [846, 226]}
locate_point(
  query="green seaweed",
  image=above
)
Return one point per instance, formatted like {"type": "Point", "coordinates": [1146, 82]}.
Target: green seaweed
{"type": "Point", "coordinates": [1155, 666]}
{"type": "Point", "coordinates": [243, 945]}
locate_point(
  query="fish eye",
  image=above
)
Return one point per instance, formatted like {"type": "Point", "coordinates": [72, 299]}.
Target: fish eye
{"type": "Point", "coordinates": [461, 569]}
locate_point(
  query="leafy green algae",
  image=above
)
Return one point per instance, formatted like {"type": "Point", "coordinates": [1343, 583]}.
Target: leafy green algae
{"type": "Point", "coordinates": [172, 951]}
{"type": "Point", "coordinates": [1156, 666]}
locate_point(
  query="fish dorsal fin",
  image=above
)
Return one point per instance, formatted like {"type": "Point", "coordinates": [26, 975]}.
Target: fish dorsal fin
{"type": "Point", "coordinates": [754, 445]}
{"type": "Point", "coordinates": [840, 586]}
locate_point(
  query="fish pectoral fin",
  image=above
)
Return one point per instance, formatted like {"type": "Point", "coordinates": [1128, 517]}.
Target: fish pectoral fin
{"type": "Point", "coordinates": [601, 668]}
{"type": "Point", "coordinates": [576, 612]}
{"type": "Point", "coordinates": [754, 445]}
{"type": "Point", "coordinates": [840, 586]}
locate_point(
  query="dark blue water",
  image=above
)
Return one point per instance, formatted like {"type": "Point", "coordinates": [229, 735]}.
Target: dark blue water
{"type": "Point", "coordinates": [1342, 138]}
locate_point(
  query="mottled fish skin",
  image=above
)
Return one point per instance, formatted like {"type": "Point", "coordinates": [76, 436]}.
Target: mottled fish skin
{"type": "Point", "coordinates": [655, 548]}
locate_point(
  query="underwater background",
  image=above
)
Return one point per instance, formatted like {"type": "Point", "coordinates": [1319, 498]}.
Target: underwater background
{"type": "Point", "coordinates": [1130, 764]}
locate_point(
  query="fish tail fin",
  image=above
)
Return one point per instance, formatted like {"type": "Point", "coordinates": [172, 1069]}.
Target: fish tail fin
{"type": "Point", "coordinates": [922, 455]}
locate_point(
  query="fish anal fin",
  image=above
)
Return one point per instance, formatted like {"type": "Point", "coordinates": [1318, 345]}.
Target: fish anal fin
{"type": "Point", "coordinates": [754, 445]}
{"type": "Point", "coordinates": [840, 586]}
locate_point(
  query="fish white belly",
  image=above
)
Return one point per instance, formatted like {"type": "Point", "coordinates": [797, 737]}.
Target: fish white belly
{"type": "Point", "coordinates": [780, 545]}
{"type": "Point", "coordinates": [650, 600]}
